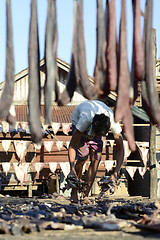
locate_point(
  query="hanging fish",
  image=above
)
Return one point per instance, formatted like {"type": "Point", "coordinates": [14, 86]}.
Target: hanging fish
{"type": "Point", "coordinates": [137, 41]}
{"type": "Point", "coordinates": [50, 59]}
{"type": "Point", "coordinates": [73, 75]}
{"type": "Point", "coordinates": [150, 101]}
{"type": "Point", "coordinates": [123, 111]}
{"type": "Point", "coordinates": [8, 90]}
{"type": "Point", "coordinates": [100, 66]}
{"type": "Point", "coordinates": [87, 89]}
{"type": "Point", "coordinates": [138, 53]}
{"type": "Point", "coordinates": [34, 96]}
{"type": "Point", "coordinates": [111, 51]}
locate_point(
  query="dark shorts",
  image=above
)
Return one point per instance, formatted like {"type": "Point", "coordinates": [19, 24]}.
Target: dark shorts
{"type": "Point", "coordinates": [88, 147]}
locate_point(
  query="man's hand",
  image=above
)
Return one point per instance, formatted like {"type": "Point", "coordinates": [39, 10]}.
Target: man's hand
{"type": "Point", "coordinates": [106, 184]}
{"type": "Point", "coordinates": [75, 183]}
{"type": "Point", "coordinates": [72, 173]}
{"type": "Point", "coordinates": [114, 176]}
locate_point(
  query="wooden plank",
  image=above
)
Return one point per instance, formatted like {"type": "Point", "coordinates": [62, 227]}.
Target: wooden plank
{"type": "Point", "coordinates": [17, 188]}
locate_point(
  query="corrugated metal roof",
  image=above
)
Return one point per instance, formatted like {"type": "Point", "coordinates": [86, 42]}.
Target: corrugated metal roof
{"type": "Point", "coordinates": [60, 114]}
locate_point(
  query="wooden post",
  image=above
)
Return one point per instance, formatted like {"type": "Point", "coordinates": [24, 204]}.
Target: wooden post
{"type": "Point", "coordinates": [152, 158]}
{"type": "Point", "coordinates": [152, 143]}
{"type": "Point", "coordinates": [57, 183]}
{"type": "Point", "coordinates": [29, 188]}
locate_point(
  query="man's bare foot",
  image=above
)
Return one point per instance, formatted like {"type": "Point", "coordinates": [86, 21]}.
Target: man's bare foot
{"type": "Point", "coordinates": [86, 201]}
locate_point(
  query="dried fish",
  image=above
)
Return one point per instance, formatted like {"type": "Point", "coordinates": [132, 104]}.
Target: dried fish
{"type": "Point", "coordinates": [8, 90]}
{"type": "Point", "coordinates": [105, 223]}
{"type": "Point", "coordinates": [123, 111]}
{"type": "Point", "coordinates": [85, 84]}
{"type": "Point", "coordinates": [77, 75]}
{"type": "Point", "coordinates": [100, 66]}
{"type": "Point", "coordinates": [150, 101]}
{"type": "Point", "coordinates": [34, 96]}
{"type": "Point", "coordinates": [4, 228]}
{"type": "Point", "coordinates": [106, 184]}
{"type": "Point", "coordinates": [50, 59]}
{"type": "Point", "coordinates": [111, 51]}
{"type": "Point", "coordinates": [150, 223]}
{"type": "Point", "coordinates": [137, 41]}
{"type": "Point", "coordinates": [138, 53]}
{"type": "Point", "coordinates": [73, 75]}
{"type": "Point", "coordinates": [16, 230]}
{"type": "Point", "coordinates": [19, 216]}
{"type": "Point", "coordinates": [73, 182]}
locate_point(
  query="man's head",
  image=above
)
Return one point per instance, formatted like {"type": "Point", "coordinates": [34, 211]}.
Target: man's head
{"type": "Point", "coordinates": [101, 124]}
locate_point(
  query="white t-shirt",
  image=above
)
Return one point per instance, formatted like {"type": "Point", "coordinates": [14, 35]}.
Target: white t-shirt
{"type": "Point", "coordinates": [84, 113]}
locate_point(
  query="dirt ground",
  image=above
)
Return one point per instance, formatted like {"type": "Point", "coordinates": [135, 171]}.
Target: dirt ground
{"type": "Point", "coordinates": [86, 233]}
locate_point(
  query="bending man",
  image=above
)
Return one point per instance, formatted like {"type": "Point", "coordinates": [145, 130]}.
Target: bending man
{"type": "Point", "coordinates": [91, 120]}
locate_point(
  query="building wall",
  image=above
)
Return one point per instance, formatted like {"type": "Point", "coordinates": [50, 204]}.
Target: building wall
{"type": "Point", "coordinates": [21, 87]}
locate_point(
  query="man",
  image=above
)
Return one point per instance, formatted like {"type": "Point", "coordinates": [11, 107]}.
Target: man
{"type": "Point", "coordinates": [91, 120]}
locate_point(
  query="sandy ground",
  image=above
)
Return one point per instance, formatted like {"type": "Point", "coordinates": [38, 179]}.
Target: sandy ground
{"type": "Point", "coordinates": [84, 234]}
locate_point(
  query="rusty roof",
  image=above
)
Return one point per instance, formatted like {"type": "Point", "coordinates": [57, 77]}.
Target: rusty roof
{"type": "Point", "coordinates": [61, 114]}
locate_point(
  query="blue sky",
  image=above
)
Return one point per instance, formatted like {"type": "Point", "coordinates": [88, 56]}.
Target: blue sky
{"type": "Point", "coordinates": [20, 20]}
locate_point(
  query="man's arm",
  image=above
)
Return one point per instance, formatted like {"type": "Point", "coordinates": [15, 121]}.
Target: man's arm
{"type": "Point", "coordinates": [71, 150]}
{"type": "Point", "coordinates": [120, 155]}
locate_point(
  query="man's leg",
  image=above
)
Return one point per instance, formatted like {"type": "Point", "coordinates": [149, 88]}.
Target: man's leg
{"type": "Point", "coordinates": [90, 177]}
{"type": "Point", "coordinates": [95, 153]}
{"type": "Point", "coordinates": [78, 168]}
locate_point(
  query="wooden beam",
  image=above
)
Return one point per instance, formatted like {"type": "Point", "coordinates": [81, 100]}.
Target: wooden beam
{"type": "Point", "coordinates": [152, 143]}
